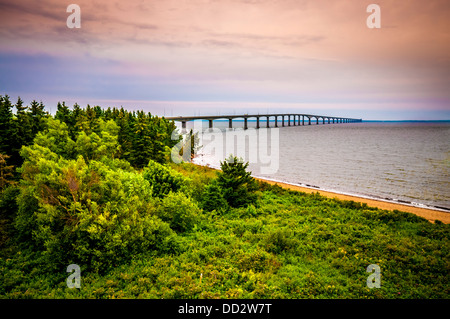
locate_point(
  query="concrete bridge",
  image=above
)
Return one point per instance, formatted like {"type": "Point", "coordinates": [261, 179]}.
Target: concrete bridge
{"type": "Point", "coordinates": [285, 118]}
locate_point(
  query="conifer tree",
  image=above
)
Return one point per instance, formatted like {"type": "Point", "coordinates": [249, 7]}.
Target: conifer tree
{"type": "Point", "coordinates": [8, 130]}
{"type": "Point", "coordinates": [63, 113]}
{"type": "Point", "coordinates": [24, 129]}
{"type": "Point", "coordinates": [6, 172]}
{"type": "Point", "coordinates": [237, 184]}
{"type": "Point", "coordinates": [37, 114]}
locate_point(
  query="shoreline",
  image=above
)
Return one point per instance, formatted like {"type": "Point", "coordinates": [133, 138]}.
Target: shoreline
{"type": "Point", "coordinates": [428, 213]}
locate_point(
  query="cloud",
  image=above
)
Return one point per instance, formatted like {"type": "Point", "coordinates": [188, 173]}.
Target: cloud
{"type": "Point", "coordinates": [265, 50]}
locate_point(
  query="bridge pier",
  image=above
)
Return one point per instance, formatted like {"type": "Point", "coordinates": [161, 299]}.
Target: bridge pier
{"type": "Point", "coordinates": [295, 118]}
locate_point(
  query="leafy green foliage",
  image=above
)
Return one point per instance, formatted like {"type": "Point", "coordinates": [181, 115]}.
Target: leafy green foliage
{"type": "Point", "coordinates": [163, 179]}
{"type": "Point", "coordinates": [94, 191]}
{"type": "Point", "coordinates": [238, 187]}
{"type": "Point", "coordinates": [6, 172]}
{"type": "Point", "coordinates": [212, 198]}
{"type": "Point", "coordinates": [8, 209]}
{"type": "Point", "coordinates": [179, 211]}
{"type": "Point", "coordinates": [87, 213]}
{"type": "Point", "coordinates": [290, 245]}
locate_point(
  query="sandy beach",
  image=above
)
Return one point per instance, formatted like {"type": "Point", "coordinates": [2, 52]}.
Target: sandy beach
{"type": "Point", "coordinates": [428, 214]}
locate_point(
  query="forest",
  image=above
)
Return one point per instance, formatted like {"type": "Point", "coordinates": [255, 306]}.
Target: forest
{"type": "Point", "coordinates": [97, 188]}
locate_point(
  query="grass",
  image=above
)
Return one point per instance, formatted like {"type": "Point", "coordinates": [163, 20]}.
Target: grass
{"type": "Point", "coordinates": [289, 245]}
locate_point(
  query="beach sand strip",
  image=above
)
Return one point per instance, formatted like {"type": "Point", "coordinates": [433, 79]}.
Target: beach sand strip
{"type": "Point", "coordinates": [429, 214]}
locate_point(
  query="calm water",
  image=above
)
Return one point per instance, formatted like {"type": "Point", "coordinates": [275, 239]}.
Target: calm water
{"type": "Point", "coordinates": [400, 161]}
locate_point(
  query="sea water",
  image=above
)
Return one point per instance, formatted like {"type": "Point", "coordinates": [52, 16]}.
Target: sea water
{"type": "Point", "coordinates": [407, 162]}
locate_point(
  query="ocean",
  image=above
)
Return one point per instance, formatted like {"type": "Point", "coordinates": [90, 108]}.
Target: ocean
{"type": "Point", "coordinates": [406, 162]}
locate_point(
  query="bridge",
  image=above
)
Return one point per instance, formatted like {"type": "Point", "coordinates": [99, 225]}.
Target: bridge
{"type": "Point", "coordinates": [285, 118]}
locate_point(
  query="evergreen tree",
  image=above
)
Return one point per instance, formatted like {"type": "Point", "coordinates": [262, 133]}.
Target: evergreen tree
{"type": "Point", "coordinates": [24, 129]}
{"type": "Point", "coordinates": [125, 123]}
{"type": "Point", "coordinates": [237, 184]}
{"type": "Point", "coordinates": [8, 130]}
{"type": "Point", "coordinates": [37, 114]}
{"type": "Point", "coordinates": [77, 114]}
{"type": "Point", "coordinates": [142, 140]}
{"type": "Point", "coordinates": [212, 198]}
{"type": "Point", "coordinates": [6, 172]}
{"type": "Point", "coordinates": [63, 113]}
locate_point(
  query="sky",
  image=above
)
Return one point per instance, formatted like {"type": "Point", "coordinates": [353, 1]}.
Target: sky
{"type": "Point", "coordinates": [211, 57]}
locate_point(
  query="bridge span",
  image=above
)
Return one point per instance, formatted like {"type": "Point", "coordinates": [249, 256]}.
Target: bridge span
{"type": "Point", "coordinates": [285, 118]}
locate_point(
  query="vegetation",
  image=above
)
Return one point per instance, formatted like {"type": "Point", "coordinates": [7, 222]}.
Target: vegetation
{"type": "Point", "coordinates": [95, 188]}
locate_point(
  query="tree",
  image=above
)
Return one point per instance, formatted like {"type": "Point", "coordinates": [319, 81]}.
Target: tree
{"type": "Point", "coordinates": [63, 113]}
{"type": "Point", "coordinates": [237, 185]}
{"type": "Point", "coordinates": [86, 212]}
{"type": "Point", "coordinates": [8, 133]}
{"type": "Point", "coordinates": [37, 114]}
{"type": "Point", "coordinates": [6, 172]}
{"type": "Point", "coordinates": [56, 138]}
{"type": "Point", "coordinates": [24, 129]}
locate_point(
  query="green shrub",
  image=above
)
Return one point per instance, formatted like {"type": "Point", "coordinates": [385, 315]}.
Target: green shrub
{"type": "Point", "coordinates": [163, 179]}
{"type": "Point", "coordinates": [212, 198]}
{"type": "Point", "coordinates": [280, 240]}
{"type": "Point", "coordinates": [86, 213]}
{"type": "Point", "coordinates": [179, 211]}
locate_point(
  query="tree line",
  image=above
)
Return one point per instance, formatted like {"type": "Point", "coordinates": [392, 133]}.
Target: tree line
{"type": "Point", "coordinates": [141, 136]}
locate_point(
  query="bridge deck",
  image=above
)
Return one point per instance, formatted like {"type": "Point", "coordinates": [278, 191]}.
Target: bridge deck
{"type": "Point", "coordinates": [211, 118]}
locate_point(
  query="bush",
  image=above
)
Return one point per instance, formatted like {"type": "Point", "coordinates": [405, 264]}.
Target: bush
{"type": "Point", "coordinates": [87, 214]}
{"type": "Point", "coordinates": [163, 179]}
{"type": "Point", "coordinates": [212, 198]}
{"type": "Point", "coordinates": [179, 211]}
